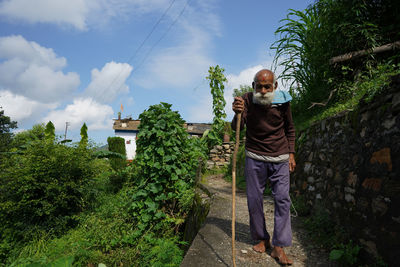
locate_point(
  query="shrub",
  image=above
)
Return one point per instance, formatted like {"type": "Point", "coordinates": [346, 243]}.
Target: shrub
{"type": "Point", "coordinates": [117, 144]}
{"type": "Point", "coordinates": [41, 189]}
{"type": "Point", "coordinates": [166, 159]}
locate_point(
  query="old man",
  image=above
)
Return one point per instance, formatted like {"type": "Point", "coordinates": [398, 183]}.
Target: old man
{"type": "Point", "coordinates": [270, 141]}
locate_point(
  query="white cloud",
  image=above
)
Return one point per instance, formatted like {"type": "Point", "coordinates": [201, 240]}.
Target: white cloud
{"type": "Point", "coordinates": [83, 110]}
{"type": "Point", "coordinates": [80, 14]}
{"type": "Point", "coordinates": [109, 82]}
{"type": "Point", "coordinates": [19, 108]}
{"type": "Point", "coordinates": [202, 111]}
{"type": "Point", "coordinates": [71, 12]}
{"type": "Point", "coordinates": [34, 71]}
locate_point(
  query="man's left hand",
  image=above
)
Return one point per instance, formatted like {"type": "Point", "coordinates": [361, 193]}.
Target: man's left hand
{"type": "Point", "coordinates": [292, 162]}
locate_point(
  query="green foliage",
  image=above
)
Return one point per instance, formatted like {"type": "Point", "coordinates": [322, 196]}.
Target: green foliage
{"type": "Point", "coordinates": [345, 254]}
{"type": "Point", "coordinates": [309, 39]}
{"type": "Point", "coordinates": [242, 90]}
{"type": "Point", "coordinates": [6, 124]}
{"type": "Point", "coordinates": [217, 79]}
{"type": "Point", "coordinates": [84, 135]}
{"type": "Point", "coordinates": [240, 162]}
{"type": "Point", "coordinates": [49, 132]}
{"type": "Point", "coordinates": [368, 85]}
{"type": "Point", "coordinates": [164, 252]}
{"type": "Point", "coordinates": [22, 138]}
{"type": "Point", "coordinates": [117, 145]}
{"type": "Point", "coordinates": [166, 159]}
{"type": "Point", "coordinates": [300, 206]}
{"type": "Point", "coordinates": [42, 189]}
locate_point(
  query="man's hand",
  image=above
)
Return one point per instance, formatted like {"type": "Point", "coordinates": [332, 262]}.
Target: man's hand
{"type": "Point", "coordinates": [238, 105]}
{"type": "Point", "coordinates": [292, 162]}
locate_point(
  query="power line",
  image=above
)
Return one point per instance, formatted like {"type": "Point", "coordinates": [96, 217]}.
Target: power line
{"type": "Point", "coordinates": [145, 39]}
{"type": "Point", "coordinates": [162, 37]}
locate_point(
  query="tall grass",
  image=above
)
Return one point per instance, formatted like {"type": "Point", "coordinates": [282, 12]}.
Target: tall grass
{"type": "Point", "coordinates": [308, 39]}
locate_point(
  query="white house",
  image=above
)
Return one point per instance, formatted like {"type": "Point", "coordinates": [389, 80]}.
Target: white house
{"type": "Point", "coordinates": [128, 129]}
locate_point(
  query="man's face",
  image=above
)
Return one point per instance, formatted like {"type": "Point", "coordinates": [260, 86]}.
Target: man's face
{"type": "Point", "coordinates": [264, 84]}
{"type": "Point", "coordinates": [264, 89]}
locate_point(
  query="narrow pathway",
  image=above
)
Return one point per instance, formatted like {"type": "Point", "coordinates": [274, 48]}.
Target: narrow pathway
{"type": "Point", "coordinates": [212, 245]}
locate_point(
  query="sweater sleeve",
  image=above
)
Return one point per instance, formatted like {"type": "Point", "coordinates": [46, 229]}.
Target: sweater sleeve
{"type": "Point", "coordinates": [244, 116]}
{"type": "Point", "coordinates": [289, 129]}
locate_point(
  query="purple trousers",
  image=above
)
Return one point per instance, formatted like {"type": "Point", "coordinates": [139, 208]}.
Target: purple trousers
{"type": "Point", "coordinates": [256, 173]}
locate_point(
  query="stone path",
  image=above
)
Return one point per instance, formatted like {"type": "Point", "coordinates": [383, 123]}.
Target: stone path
{"type": "Point", "coordinates": [212, 245]}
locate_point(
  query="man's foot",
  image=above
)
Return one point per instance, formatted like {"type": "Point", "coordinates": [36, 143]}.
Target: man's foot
{"type": "Point", "coordinates": [262, 246]}
{"type": "Point", "coordinates": [279, 254]}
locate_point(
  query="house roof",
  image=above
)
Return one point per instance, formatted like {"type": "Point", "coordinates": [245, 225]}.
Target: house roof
{"type": "Point", "coordinates": [132, 125]}
{"type": "Point", "coordinates": [126, 124]}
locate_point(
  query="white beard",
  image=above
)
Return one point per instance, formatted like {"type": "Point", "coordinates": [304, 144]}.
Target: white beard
{"type": "Point", "coordinates": [264, 100]}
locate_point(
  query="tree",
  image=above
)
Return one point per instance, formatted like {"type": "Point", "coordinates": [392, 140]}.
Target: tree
{"type": "Point", "coordinates": [242, 90]}
{"type": "Point", "coordinates": [117, 144]}
{"type": "Point", "coordinates": [27, 136]}
{"type": "Point", "coordinates": [49, 132]}
{"type": "Point", "coordinates": [6, 124]}
{"type": "Point", "coordinates": [84, 135]}
{"type": "Point", "coordinates": [217, 80]}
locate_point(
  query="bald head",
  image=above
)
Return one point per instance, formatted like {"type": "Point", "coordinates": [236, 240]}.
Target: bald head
{"type": "Point", "coordinates": [264, 79]}
{"type": "Point", "coordinates": [264, 75]}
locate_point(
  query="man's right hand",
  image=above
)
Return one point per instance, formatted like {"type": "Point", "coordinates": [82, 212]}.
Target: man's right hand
{"type": "Point", "coordinates": [238, 105]}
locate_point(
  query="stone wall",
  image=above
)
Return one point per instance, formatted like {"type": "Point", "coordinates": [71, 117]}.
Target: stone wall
{"type": "Point", "coordinates": [350, 165]}
{"type": "Point", "coordinates": [220, 155]}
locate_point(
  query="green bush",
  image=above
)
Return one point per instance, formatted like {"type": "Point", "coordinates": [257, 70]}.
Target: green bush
{"type": "Point", "coordinates": [117, 144]}
{"type": "Point", "coordinates": [240, 162]}
{"type": "Point", "coordinates": [166, 159]}
{"type": "Point", "coordinates": [308, 39]}
{"type": "Point", "coordinates": [41, 189]}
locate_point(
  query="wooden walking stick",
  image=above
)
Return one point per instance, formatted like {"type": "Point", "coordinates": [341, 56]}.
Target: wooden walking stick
{"type": "Point", "coordinates": [238, 119]}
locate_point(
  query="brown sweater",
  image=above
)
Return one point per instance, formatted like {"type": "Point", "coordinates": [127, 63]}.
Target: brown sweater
{"type": "Point", "coordinates": [269, 129]}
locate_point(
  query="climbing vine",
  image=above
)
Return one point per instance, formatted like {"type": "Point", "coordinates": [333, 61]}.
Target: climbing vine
{"type": "Point", "coordinates": [217, 79]}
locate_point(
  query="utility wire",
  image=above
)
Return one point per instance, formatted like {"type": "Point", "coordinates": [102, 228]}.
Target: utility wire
{"type": "Point", "coordinates": [145, 39]}
{"type": "Point", "coordinates": [162, 37]}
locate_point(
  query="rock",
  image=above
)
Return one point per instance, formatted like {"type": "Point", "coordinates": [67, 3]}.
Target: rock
{"type": "Point", "coordinates": [365, 116]}
{"type": "Point", "coordinates": [322, 157]}
{"type": "Point", "coordinates": [323, 125]}
{"type": "Point", "coordinates": [379, 206]}
{"type": "Point", "coordinates": [383, 157]}
{"type": "Point", "coordinates": [349, 198]}
{"type": "Point", "coordinates": [370, 247]}
{"type": "Point", "coordinates": [349, 190]}
{"type": "Point", "coordinates": [352, 179]}
{"type": "Point", "coordinates": [329, 173]}
{"type": "Point", "coordinates": [225, 146]}
{"type": "Point", "coordinates": [307, 167]}
{"type": "Point", "coordinates": [213, 151]}
{"type": "Point", "coordinates": [218, 147]}
{"type": "Point", "coordinates": [244, 251]}
{"type": "Point", "coordinates": [310, 180]}
{"type": "Point", "coordinates": [310, 156]}
{"type": "Point", "coordinates": [372, 183]}
{"type": "Point", "coordinates": [311, 188]}
{"type": "Point", "coordinates": [318, 196]}
{"type": "Point", "coordinates": [319, 185]}
{"type": "Point", "coordinates": [389, 123]}
{"type": "Point", "coordinates": [396, 102]}
{"type": "Point", "coordinates": [362, 132]}
{"type": "Point", "coordinates": [338, 178]}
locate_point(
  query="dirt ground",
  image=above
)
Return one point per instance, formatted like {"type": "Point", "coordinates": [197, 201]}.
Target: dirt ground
{"type": "Point", "coordinates": [216, 234]}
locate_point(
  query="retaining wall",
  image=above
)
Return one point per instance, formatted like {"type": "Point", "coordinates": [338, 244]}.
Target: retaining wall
{"type": "Point", "coordinates": [350, 165]}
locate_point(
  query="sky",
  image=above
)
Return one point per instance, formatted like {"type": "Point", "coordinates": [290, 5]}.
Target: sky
{"type": "Point", "coordinates": [81, 61]}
